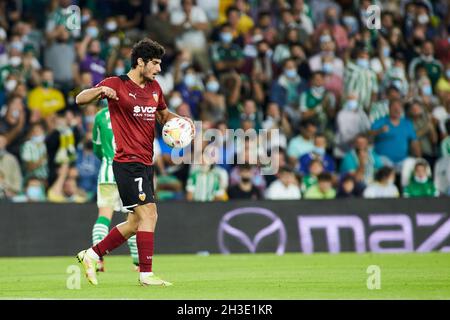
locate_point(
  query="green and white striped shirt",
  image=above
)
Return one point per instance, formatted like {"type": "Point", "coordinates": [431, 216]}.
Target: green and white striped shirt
{"type": "Point", "coordinates": [361, 81]}
{"type": "Point", "coordinates": [31, 152]}
{"type": "Point", "coordinates": [205, 186]}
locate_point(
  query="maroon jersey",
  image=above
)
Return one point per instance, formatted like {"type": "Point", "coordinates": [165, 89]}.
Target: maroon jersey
{"type": "Point", "coordinates": [133, 118]}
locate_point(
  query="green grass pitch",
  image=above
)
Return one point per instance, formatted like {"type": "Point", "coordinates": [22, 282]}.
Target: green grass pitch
{"type": "Point", "coordinates": [239, 276]}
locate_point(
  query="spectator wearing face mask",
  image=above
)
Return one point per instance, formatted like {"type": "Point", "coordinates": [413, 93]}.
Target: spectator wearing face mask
{"type": "Point", "coordinates": [191, 89]}
{"type": "Point", "coordinates": [350, 122]}
{"type": "Point", "coordinates": [420, 184]}
{"type": "Point", "coordinates": [65, 188]}
{"type": "Point", "coordinates": [317, 103]}
{"type": "Point", "coordinates": [34, 154]}
{"type": "Point", "coordinates": [426, 59]}
{"type": "Point", "coordinates": [310, 179]}
{"type": "Point", "coordinates": [383, 186]}
{"type": "Point", "coordinates": [88, 166]}
{"type": "Point", "coordinates": [245, 188]}
{"type": "Point", "coordinates": [396, 77]}
{"type": "Point", "coordinates": [10, 171]}
{"type": "Point", "coordinates": [288, 87]}
{"type": "Point", "coordinates": [45, 98]}
{"type": "Point", "coordinates": [331, 23]}
{"type": "Point", "coordinates": [360, 78]}
{"type": "Point", "coordinates": [34, 191]}
{"type": "Point", "coordinates": [319, 152]}
{"type": "Point", "coordinates": [212, 107]}
{"type": "Point", "coordinates": [226, 56]}
{"type": "Point", "coordinates": [90, 60]}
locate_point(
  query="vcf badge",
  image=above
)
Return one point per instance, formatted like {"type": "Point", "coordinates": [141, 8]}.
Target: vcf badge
{"type": "Point", "coordinates": [275, 226]}
{"type": "Point", "coordinates": [142, 196]}
{"type": "Point", "coordinates": [155, 96]}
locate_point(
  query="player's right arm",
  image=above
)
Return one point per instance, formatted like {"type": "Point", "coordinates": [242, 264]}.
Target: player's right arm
{"type": "Point", "coordinates": [92, 94]}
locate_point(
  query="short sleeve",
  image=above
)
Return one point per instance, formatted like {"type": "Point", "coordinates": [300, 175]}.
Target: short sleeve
{"type": "Point", "coordinates": [110, 82]}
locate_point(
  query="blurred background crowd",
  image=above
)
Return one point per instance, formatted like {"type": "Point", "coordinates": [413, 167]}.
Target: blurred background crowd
{"type": "Point", "coordinates": [361, 112]}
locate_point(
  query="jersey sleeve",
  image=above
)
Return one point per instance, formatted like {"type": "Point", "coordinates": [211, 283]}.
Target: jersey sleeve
{"type": "Point", "coordinates": [110, 82]}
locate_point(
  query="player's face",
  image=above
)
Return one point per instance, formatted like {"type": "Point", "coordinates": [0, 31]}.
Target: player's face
{"type": "Point", "coordinates": [151, 69]}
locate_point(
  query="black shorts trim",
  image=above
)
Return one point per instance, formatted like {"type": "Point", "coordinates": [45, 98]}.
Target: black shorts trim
{"type": "Point", "coordinates": [135, 183]}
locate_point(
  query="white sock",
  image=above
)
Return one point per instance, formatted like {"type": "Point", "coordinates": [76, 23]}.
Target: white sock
{"type": "Point", "coordinates": [91, 253]}
{"type": "Point", "coordinates": [145, 274]}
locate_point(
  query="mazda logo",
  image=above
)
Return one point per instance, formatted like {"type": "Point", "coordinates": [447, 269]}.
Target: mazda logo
{"type": "Point", "coordinates": [251, 244]}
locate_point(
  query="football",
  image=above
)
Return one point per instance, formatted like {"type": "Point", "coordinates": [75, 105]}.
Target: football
{"type": "Point", "coordinates": [177, 133]}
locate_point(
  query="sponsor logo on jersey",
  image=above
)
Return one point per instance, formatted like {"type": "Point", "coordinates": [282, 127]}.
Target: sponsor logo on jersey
{"type": "Point", "coordinates": [132, 95]}
{"type": "Point", "coordinates": [144, 109]}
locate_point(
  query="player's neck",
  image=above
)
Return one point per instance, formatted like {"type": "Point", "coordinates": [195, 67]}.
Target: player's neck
{"type": "Point", "coordinates": [136, 77]}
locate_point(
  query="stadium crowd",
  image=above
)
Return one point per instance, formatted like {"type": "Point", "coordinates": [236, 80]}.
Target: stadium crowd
{"type": "Point", "coordinates": [361, 112]}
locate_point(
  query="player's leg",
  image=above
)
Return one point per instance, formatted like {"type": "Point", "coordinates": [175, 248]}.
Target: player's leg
{"type": "Point", "coordinates": [106, 199]}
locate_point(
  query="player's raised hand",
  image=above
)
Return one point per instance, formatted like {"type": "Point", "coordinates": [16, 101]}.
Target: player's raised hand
{"type": "Point", "coordinates": [109, 93]}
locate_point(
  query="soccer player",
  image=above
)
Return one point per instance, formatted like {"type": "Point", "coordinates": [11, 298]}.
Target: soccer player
{"type": "Point", "coordinates": [108, 199]}
{"type": "Point", "coordinates": [135, 103]}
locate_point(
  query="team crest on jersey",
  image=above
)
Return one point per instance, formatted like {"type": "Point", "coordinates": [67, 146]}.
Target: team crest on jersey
{"type": "Point", "coordinates": [155, 96]}
{"type": "Point", "coordinates": [142, 196]}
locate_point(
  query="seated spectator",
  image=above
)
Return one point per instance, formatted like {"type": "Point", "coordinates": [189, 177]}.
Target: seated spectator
{"type": "Point", "coordinates": [65, 188]}
{"type": "Point", "coordinates": [204, 184]}
{"type": "Point", "coordinates": [278, 121]}
{"type": "Point", "coordinates": [88, 166]}
{"type": "Point", "coordinates": [226, 56]}
{"type": "Point", "coordinates": [428, 61]}
{"type": "Point", "coordinates": [191, 89]}
{"type": "Point", "coordinates": [13, 124]}
{"type": "Point", "coordinates": [445, 144]}
{"type": "Point", "coordinates": [350, 122]}
{"type": "Point", "coordinates": [319, 152]}
{"type": "Point", "coordinates": [425, 130]}
{"type": "Point", "coordinates": [33, 191]}
{"type": "Point", "coordinates": [212, 106]}
{"type": "Point", "coordinates": [362, 162]}
{"type": "Point", "coordinates": [420, 184]}
{"type": "Point", "coordinates": [310, 179]}
{"type": "Point", "coordinates": [286, 187]}
{"type": "Point", "coordinates": [326, 60]}
{"type": "Point", "coordinates": [302, 143]}
{"type": "Point", "coordinates": [358, 77]}
{"type": "Point", "coordinates": [395, 137]}
{"type": "Point", "coordinates": [34, 153]}
{"type": "Point", "coordinates": [349, 188]}
{"type": "Point", "coordinates": [46, 98]}
{"type": "Point", "coordinates": [323, 189]}
{"type": "Point", "coordinates": [316, 103]}
{"type": "Point", "coordinates": [286, 89]}
{"type": "Point", "coordinates": [10, 170]}
{"type": "Point", "coordinates": [245, 188]}
{"type": "Point", "coordinates": [383, 186]}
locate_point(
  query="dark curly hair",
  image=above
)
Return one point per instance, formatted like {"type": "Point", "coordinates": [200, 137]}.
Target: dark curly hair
{"type": "Point", "coordinates": [146, 49]}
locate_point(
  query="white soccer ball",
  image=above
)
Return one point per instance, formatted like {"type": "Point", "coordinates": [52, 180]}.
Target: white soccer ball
{"type": "Point", "coordinates": [177, 133]}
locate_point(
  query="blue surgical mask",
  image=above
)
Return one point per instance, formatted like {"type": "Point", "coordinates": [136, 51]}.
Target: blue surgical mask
{"type": "Point", "coordinates": [189, 80]}
{"type": "Point", "coordinates": [351, 104]}
{"type": "Point", "coordinates": [319, 151]}
{"type": "Point", "coordinates": [427, 90]}
{"type": "Point", "coordinates": [447, 73]}
{"type": "Point", "coordinates": [38, 139]}
{"type": "Point", "coordinates": [290, 73]}
{"type": "Point", "coordinates": [92, 32]}
{"type": "Point", "coordinates": [212, 86]}
{"type": "Point", "coordinates": [327, 67]}
{"type": "Point", "coordinates": [119, 71]}
{"type": "Point", "coordinates": [90, 119]}
{"type": "Point", "coordinates": [317, 91]}
{"type": "Point", "coordinates": [35, 193]}
{"type": "Point", "coordinates": [386, 52]}
{"type": "Point", "coordinates": [363, 63]}
{"type": "Point", "coordinates": [226, 37]}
